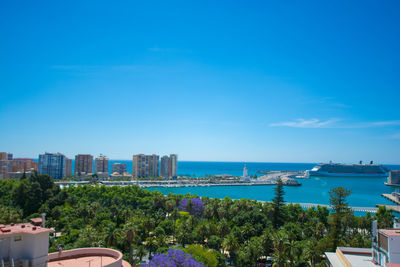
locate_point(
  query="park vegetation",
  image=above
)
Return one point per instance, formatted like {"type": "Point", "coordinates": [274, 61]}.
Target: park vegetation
{"type": "Point", "coordinates": [209, 231]}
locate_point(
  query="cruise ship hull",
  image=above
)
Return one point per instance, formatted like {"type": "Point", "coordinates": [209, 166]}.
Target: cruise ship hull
{"type": "Point", "coordinates": [340, 174]}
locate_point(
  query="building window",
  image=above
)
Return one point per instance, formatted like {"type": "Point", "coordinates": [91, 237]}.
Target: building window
{"type": "Point", "coordinates": [17, 238]}
{"type": "Point", "coordinates": [383, 241]}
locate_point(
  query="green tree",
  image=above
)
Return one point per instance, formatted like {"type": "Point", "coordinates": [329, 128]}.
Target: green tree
{"type": "Point", "coordinates": [384, 217]}
{"type": "Point", "coordinates": [214, 242]}
{"type": "Point", "coordinates": [340, 208]}
{"type": "Point", "coordinates": [10, 215]}
{"type": "Point", "coordinates": [280, 244]}
{"type": "Point", "coordinates": [310, 252]}
{"type": "Point", "coordinates": [184, 229]}
{"type": "Point", "coordinates": [231, 244]}
{"type": "Point", "coordinates": [202, 254]}
{"type": "Point", "coordinates": [140, 252]}
{"type": "Point", "coordinates": [111, 234]}
{"type": "Point", "coordinates": [278, 204]}
{"type": "Point", "coordinates": [128, 236]}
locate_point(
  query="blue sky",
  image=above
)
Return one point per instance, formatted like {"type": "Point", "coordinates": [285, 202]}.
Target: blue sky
{"type": "Point", "coordinates": [275, 81]}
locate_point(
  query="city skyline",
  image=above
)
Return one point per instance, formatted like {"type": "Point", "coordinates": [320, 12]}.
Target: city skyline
{"type": "Point", "coordinates": [254, 82]}
{"type": "Point", "coordinates": [110, 160]}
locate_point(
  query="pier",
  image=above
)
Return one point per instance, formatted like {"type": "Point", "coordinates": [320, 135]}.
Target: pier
{"type": "Point", "coordinates": [314, 205]}
{"type": "Point", "coordinates": [281, 174]}
{"type": "Point", "coordinates": [179, 183]}
{"type": "Point", "coordinates": [390, 207]}
{"type": "Point", "coordinates": [73, 183]}
{"type": "Point", "coordinates": [392, 198]}
{"type": "Point", "coordinates": [360, 209]}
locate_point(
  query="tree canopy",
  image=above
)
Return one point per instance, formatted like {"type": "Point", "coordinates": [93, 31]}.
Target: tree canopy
{"type": "Point", "coordinates": [143, 224]}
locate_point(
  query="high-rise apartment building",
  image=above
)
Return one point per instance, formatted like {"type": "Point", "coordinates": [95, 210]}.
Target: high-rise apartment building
{"type": "Point", "coordinates": [145, 165]}
{"type": "Point", "coordinates": [52, 164]}
{"type": "Point", "coordinates": [6, 156]}
{"type": "Point", "coordinates": [5, 165]}
{"type": "Point", "coordinates": [164, 166]}
{"type": "Point", "coordinates": [118, 168]}
{"type": "Point", "coordinates": [4, 169]}
{"type": "Point", "coordinates": [173, 166]}
{"type": "Point", "coordinates": [68, 167]}
{"type": "Point", "coordinates": [83, 164]}
{"type": "Point", "coordinates": [101, 164]}
{"type": "Point", "coordinates": [14, 168]}
{"type": "Point", "coordinates": [3, 156]}
{"type": "Point", "coordinates": [24, 165]}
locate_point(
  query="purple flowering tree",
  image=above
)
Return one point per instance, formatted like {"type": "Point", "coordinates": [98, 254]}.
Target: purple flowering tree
{"type": "Point", "coordinates": [197, 207]}
{"type": "Point", "coordinates": [194, 206]}
{"type": "Point", "coordinates": [183, 204]}
{"type": "Point", "coordinates": [174, 258]}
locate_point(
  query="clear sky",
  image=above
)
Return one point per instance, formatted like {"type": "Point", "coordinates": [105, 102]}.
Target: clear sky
{"type": "Point", "coordinates": [275, 81]}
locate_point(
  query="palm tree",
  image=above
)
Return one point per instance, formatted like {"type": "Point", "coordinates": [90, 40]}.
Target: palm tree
{"type": "Point", "coordinates": [128, 235]}
{"type": "Point", "coordinates": [319, 230]}
{"type": "Point", "coordinates": [292, 249]}
{"type": "Point", "coordinates": [230, 244]}
{"type": "Point", "coordinates": [184, 229]}
{"type": "Point", "coordinates": [202, 231]}
{"type": "Point", "coordinates": [279, 241]}
{"type": "Point", "coordinates": [310, 251]}
{"type": "Point", "coordinates": [255, 249]}
{"type": "Point", "coordinates": [140, 252]}
{"type": "Point", "coordinates": [223, 228]}
{"type": "Point", "coordinates": [111, 235]}
{"type": "Point", "coordinates": [151, 244]}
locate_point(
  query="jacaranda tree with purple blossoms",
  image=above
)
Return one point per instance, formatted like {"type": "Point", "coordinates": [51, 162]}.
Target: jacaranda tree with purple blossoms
{"type": "Point", "coordinates": [194, 206]}
{"type": "Point", "coordinates": [174, 258]}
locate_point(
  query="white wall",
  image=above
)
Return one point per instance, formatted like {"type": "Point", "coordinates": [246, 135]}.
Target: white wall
{"type": "Point", "coordinates": [32, 247]}
{"type": "Point", "coordinates": [394, 249]}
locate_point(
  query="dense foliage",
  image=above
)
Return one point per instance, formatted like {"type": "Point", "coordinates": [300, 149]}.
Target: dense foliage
{"type": "Point", "coordinates": [142, 224]}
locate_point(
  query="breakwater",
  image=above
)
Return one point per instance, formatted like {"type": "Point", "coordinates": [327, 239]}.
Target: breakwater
{"type": "Point", "coordinates": [182, 183]}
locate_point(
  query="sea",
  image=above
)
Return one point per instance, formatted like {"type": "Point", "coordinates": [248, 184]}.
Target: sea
{"type": "Point", "coordinates": [365, 192]}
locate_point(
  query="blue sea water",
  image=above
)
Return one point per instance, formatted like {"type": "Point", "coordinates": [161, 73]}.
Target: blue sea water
{"type": "Point", "coordinates": [365, 192]}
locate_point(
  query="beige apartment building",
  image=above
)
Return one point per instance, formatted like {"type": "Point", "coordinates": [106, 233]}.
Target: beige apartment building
{"type": "Point", "coordinates": [68, 167]}
{"type": "Point", "coordinates": [172, 166]}
{"type": "Point", "coordinates": [145, 165]}
{"type": "Point", "coordinates": [169, 166]}
{"type": "Point", "coordinates": [118, 168]}
{"type": "Point", "coordinates": [83, 164]}
{"type": "Point", "coordinates": [6, 156]}
{"type": "Point", "coordinates": [15, 167]}
{"type": "Point", "coordinates": [24, 165]}
{"type": "Point", "coordinates": [101, 164]}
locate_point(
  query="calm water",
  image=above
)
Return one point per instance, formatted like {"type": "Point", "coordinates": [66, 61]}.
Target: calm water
{"type": "Point", "coordinates": [366, 192]}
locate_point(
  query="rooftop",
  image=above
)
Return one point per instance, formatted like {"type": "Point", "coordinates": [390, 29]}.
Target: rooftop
{"type": "Point", "coordinates": [36, 221]}
{"type": "Point", "coordinates": [87, 257]}
{"type": "Point", "coordinates": [82, 261]}
{"type": "Point", "coordinates": [357, 251]}
{"type": "Point", "coordinates": [347, 256]}
{"type": "Point", "coordinates": [390, 232]}
{"type": "Point", "coordinates": [334, 259]}
{"type": "Point", "coordinates": [21, 228]}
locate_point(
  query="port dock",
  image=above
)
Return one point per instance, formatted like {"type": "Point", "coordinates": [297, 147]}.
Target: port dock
{"type": "Point", "coordinates": [390, 207]}
{"type": "Point", "coordinates": [314, 205]}
{"type": "Point", "coordinates": [393, 197]}
{"type": "Point", "coordinates": [184, 183]}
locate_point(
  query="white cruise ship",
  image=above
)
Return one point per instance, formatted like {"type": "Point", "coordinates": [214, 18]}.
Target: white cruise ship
{"type": "Point", "coordinates": [348, 170]}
